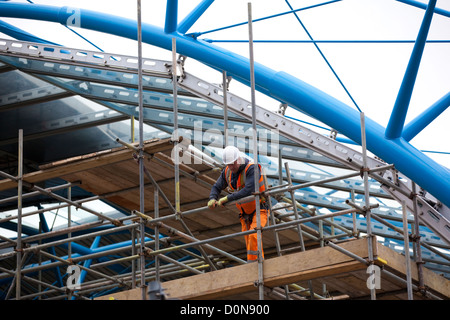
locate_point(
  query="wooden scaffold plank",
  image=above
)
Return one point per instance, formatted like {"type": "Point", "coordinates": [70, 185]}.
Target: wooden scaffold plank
{"type": "Point", "coordinates": [311, 264]}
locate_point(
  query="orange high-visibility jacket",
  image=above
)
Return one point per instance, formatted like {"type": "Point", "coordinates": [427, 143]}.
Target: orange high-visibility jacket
{"type": "Point", "coordinates": [248, 207]}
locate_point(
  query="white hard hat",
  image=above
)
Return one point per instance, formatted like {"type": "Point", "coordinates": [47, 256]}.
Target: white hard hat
{"type": "Point", "coordinates": [230, 154]}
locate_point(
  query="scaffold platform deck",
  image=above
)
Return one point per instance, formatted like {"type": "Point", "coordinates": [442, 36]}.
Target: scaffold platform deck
{"type": "Point", "coordinates": [322, 265]}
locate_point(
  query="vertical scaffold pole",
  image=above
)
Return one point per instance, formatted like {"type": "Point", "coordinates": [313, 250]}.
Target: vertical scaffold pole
{"type": "Point", "coordinates": [355, 230]}
{"type": "Point", "coordinates": [406, 247]}
{"type": "Point", "coordinates": [141, 151]}
{"type": "Point", "coordinates": [297, 217]}
{"type": "Point", "coordinates": [69, 221]}
{"type": "Point", "coordinates": [418, 248]}
{"type": "Point", "coordinates": [156, 228]}
{"type": "Point", "coordinates": [367, 201]}
{"type": "Point", "coordinates": [133, 262]}
{"type": "Point", "coordinates": [225, 106]}
{"type": "Point", "coordinates": [255, 158]}
{"type": "Point", "coordinates": [175, 126]}
{"type": "Point", "coordinates": [294, 202]}
{"type": "Point", "coordinates": [69, 235]}
{"type": "Point", "coordinates": [19, 215]}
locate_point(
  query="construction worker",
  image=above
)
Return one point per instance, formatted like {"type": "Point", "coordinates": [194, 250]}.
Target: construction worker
{"type": "Point", "coordinates": [238, 177]}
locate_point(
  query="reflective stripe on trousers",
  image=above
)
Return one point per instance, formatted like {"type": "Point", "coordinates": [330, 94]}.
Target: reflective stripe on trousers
{"type": "Point", "coordinates": [251, 240]}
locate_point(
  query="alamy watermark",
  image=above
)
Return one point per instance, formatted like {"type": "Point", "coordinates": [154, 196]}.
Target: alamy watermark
{"type": "Point", "coordinates": [73, 280]}
{"type": "Point", "coordinates": [200, 140]}
{"type": "Point", "coordinates": [74, 20]}
{"type": "Point", "coordinates": [374, 279]}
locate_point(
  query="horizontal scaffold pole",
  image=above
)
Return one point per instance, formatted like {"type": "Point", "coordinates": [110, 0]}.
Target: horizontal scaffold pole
{"type": "Point", "coordinates": [244, 233]}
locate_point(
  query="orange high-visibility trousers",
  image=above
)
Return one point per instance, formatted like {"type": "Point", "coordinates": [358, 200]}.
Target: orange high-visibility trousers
{"type": "Point", "coordinates": [251, 240]}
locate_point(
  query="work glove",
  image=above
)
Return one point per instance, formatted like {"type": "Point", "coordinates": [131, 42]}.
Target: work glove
{"type": "Point", "coordinates": [212, 203]}
{"type": "Point", "coordinates": [222, 201]}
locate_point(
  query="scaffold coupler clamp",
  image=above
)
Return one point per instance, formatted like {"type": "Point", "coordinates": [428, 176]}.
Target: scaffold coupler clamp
{"type": "Point", "coordinates": [362, 170]}
{"type": "Point", "coordinates": [138, 155]}
{"type": "Point", "coordinates": [155, 291]}
{"type": "Point", "coordinates": [423, 290]}
{"type": "Point", "coordinates": [18, 250]}
{"type": "Point", "coordinates": [258, 283]}
{"type": "Point", "coordinates": [146, 252]}
{"type": "Point", "coordinates": [117, 223]}
{"type": "Point", "coordinates": [333, 134]}
{"type": "Point", "coordinates": [282, 108]}
{"type": "Point", "coordinates": [180, 61]}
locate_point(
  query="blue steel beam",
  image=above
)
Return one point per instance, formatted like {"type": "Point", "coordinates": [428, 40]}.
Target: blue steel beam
{"type": "Point", "coordinates": [279, 85]}
{"type": "Point", "coordinates": [171, 16]}
{"type": "Point", "coordinates": [192, 17]}
{"type": "Point", "coordinates": [397, 120]}
{"type": "Point", "coordinates": [421, 121]}
{"type": "Point", "coordinates": [424, 6]}
{"type": "Point", "coordinates": [87, 263]}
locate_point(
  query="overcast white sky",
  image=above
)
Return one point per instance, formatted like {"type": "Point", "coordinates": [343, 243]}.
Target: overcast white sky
{"type": "Point", "coordinates": [372, 73]}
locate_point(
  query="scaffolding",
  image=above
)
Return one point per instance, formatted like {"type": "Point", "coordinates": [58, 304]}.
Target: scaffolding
{"type": "Point", "coordinates": [149, 230]}
{"type": "Point", "coordinates": [200, 263]}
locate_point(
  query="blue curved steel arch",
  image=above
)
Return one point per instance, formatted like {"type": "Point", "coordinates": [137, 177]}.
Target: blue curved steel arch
{"type": "Point", "coordinates": [279, 85]}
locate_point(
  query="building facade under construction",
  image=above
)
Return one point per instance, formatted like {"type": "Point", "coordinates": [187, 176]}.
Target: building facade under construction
{"type": "Point", "coordinates": [107, 162]}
